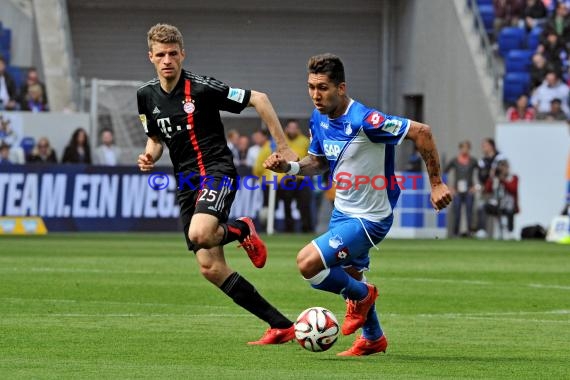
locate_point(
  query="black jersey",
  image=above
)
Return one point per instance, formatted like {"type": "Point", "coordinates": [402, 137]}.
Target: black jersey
{"type": "Point", "coordinates": [188, 121]}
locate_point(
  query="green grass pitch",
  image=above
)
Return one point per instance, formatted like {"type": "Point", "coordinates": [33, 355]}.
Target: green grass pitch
{"type": "Point", "coordinates": [134, 306]}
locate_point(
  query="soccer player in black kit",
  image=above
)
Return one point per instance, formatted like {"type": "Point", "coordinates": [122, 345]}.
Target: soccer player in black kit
{"type": "Point", "coordinates": [181, 110]}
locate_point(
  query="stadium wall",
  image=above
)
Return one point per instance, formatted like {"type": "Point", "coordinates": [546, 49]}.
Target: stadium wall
{"type": "Point", "coordinates": [537, 153]}
{"type": "Point", "coordinates": [262, 45]}
{"type": "Point", "coordinates": [432, 58]}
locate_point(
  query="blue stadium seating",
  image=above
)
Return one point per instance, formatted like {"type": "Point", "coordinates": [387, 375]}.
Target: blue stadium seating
{"type": "Point", "coordinates": [18, 74]}
{"type": "Point", "coordinates": [533, 39]}
{"type": "Point", "coordinates": [6, 55]}
{"type": "Point", "coordinates": [27, 144]}
{"type": "Point", "coordinates": [6, 39]}
{"type": "Point", "coordinates": [518, 61]}
{"type": "Point", "coordinates": [514, 85]}
{"type": "Point", "coordinates": [488, 17]}
{"type": "Point", "coordinates": [511, 39]}
{"type": "Point", "coordinates": [484, 2]}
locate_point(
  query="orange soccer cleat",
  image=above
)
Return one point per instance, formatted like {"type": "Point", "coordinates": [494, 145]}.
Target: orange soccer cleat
{"type": "Point", "coordinates": [276, 336]}
{"type": "Point", "coordinates": [363, 347]}
{"type": "Point", "coordinates": [356, 311]}
{"type": "Point", "coordinates": [253, 245]}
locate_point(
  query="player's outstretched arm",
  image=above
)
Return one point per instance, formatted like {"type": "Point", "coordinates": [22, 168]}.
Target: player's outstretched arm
{"type": "Point", "coordinates": [310, 165]}
{"type": "Point", "coordinates": [421, 135]}
{"type": "Point", "coordinates": [264, 108]}
{"type": "Point", "coordinates": [151, 154]}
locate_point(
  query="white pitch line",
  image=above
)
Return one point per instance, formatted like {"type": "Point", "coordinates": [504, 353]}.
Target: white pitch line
{"type": "Point", "coordinates": [515, 320]}
{"type": "Point", "coordinates": [543, 286]}
{"type": "Point", "coordinates": [441, 280]}
{"type": "Point", "coordinates": [475, 282]}
{"type": "Point", "coordinates": [491, 314]}
{"type": "Point", "coordinates": [75, 270]}
{"type": "Point", "coordinates": [51, 300]}
{"type": "Point", "coordinates": [133, 315]}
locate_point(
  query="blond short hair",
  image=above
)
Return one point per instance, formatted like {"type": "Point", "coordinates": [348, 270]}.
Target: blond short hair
{"type": "Point", "coordinates": [164, 34]}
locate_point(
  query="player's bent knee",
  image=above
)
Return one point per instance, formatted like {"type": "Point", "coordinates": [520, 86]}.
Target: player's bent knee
{"type": "Point", "coordinates": [309, 261]}
{"type": "Point", "coordinates": [202, 238]}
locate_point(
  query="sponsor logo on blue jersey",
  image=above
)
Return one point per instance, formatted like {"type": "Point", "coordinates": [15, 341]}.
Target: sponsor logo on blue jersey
{"type": "Point", "coordinates": [333, 148]}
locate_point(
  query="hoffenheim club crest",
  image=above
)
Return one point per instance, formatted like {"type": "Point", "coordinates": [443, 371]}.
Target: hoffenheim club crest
{"type": "Point", "coordinates": [335, 241]}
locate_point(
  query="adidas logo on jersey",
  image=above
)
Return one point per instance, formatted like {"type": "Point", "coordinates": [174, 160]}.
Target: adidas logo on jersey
{"type": "Point", "coordinates": [155, 110]}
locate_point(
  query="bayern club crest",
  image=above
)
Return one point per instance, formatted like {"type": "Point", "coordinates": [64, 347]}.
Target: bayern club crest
{"type": "Point", "coordinates": [189, 107]}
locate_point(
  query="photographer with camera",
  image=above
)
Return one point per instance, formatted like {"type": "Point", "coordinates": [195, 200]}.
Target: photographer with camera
{"type": "Point", "coordinates": [504, 201]}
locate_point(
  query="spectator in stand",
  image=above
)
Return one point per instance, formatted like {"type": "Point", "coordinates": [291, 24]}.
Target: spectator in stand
{"type": "Point", "coordinates": [555, 113]}
{"type": "Point", "coordinates": [463, 189]}
{"type": "Point", "coordinates": [242, 147]}
{"type": "Point", "coordinates": [232, 140]}
{"type": "Point", "coordinates": [507, 13]}
{"type": "Point", "coordinates": [259, 139]}
{"type": "Point", "coordinates": [289, 191]}
{"type": "Point", "coordinates": [107, 154]}
{"type": "Point", "coordinates": [521, 111]}
{"type": "Point", "coordinates": [34, 99]}
{"type": "Point", "coordinates": [551, 88]}
{"type": "Point", "coordinates": [77, 151]}
{"type": "Point", "coordinates": [42, 153]}
{"type": "Point", "coordinates": [538, 70]}
{"type": "Point", "coordinates": [504, 199]}
{"type": "Point", "coordinates": [554, 51]}
{"type": "Point", "coordinates": [32, 78]}
{"type": "Point", "coordinates": [8, 90]}
{"type": "Point", "coordinates": [5, 154]}
{"type": "Point", "coordinates": [299, 143]}
{"type": "Point", "coordinates": [534, 14]}
{"type": "Point", "coordinates": [559, 23]}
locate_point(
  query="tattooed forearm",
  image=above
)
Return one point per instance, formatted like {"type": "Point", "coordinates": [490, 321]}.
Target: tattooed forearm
{"type": "Point", "coordinates": [423, 138]}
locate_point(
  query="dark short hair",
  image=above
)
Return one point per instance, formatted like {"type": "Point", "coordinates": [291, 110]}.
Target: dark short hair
{"type": "Point", "coordinates": [264, 132]}
{"type": "Point", "coordinates": [465, 142]}
{"type": "Point", "coordinates": [556, 100]}
{"type": "Point", "coordinates": [491, 142]}
{"type": "Point", "coordinates": [292, 121]}
{"type": "Point", "coordinates": [328, 64]}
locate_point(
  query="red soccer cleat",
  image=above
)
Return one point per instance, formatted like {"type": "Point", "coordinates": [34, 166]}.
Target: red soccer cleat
{"type": "Point", "coordinates": [276, 336]}
{"type": "Point", "coordinates": [253, 245]}
{"type": "Point", "coordinates": [356, 311]}
{"type": "Point", "coordinates": [363, 347]}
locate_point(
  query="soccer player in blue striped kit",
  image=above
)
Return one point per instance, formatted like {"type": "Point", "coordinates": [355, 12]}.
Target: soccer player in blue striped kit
{"type": "Point", "coordinates": [350, 137]}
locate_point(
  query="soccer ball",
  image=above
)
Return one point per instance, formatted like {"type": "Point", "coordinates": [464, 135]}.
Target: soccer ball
{"type": "Point", "coordinates": [316, 329]}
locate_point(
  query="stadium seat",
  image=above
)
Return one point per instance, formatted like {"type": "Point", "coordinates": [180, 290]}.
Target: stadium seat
{"type": "Point", "coordinates": [18, 74]}
{"type": "Point", "coordinates": [27, 144]}
{"type": "Point", "coordinates": [6, 39]}
{"type": "Point", "coordinates": [518, 61]}
{"type": "Point", "coordinates": [514, 85]}
{"type": "Point", "coordinates": [484, 2]}
{"type": "Point", "coordinates": [511, 39]}
{"type": "Point", "coordinates": [6, 55]}
{"type": "Point", "coordinates": [533, 38]}
{"type": "Point", "coordinates": [488, 17]}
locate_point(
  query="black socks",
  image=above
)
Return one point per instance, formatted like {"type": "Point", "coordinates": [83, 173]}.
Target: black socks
{"type": "Point", "coordinates": [244, 294]}
{"type": "Point", "coordinates": [236, 230]}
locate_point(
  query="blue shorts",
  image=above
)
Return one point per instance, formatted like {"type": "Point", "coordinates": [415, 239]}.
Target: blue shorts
{"type": "Point", "coordinates": [349, 239]}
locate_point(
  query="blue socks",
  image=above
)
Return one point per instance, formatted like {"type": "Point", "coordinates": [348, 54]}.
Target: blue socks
{"type": "Point", "coordinates": [336, 280]}
{"type": "Point", "coordinates": [371, 329]}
